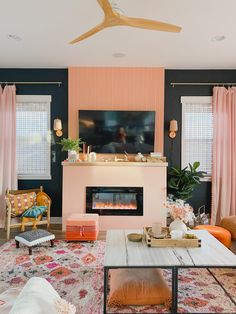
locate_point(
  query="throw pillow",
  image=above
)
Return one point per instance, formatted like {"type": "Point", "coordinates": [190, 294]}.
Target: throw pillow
{"type": "Point", "coordinates": [34, 211]}
{"type": "Point", "coordinates": [42, 199]}
{"type": "Point", "coordinates": [138, 287]}
{"type": "Point", "coordinates": [229, 223]}
{"type": "Point", "coordinates": [20, 202]}
{"type": "Point", "coordinates": [64, 307]}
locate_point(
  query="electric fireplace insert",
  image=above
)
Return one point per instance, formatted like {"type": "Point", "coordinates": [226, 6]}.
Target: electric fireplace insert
{"type": "Point", "coordinates": [117, 201]}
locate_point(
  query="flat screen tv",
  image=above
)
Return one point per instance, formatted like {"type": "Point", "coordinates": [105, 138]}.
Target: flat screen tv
{"type": "Point", "coordinates": [118, 131]}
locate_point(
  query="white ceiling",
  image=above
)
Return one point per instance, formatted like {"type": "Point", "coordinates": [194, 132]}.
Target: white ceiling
{"type": "Point", "coordinates": [46, 27]}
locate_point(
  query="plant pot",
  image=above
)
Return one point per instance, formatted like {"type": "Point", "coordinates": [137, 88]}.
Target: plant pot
{"type": "Point", "coordinates": [72, 155]}
{"type": "Point", "coordinates": [178, 224]}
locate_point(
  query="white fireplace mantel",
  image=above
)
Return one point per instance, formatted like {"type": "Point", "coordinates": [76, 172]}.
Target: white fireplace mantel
{"type": "Point", "coordinates": [149, 175]}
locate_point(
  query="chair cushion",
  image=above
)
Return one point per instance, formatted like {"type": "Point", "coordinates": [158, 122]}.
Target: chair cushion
{"type": "Point", "coordinates": [34, 211]}
{"type": "Point", "coordinates": [138, 287]}
{"type": "Point", "coordinates": [21, 202]}
{"type": "Point", "coordinates": [229, 223]}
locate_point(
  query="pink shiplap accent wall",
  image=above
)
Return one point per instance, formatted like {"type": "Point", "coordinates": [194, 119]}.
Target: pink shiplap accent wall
{"type": "Point", "coordinates": [106, 88]}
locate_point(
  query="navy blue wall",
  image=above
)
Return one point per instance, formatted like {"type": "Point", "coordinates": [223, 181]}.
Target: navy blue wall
{"type": "Point", "coordinates": [202, 194]}
{"type": "Point", "coordinates": [59, 109]}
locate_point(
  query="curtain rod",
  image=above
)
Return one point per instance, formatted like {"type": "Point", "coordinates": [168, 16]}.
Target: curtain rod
{"type": "Point", "coordinates": [173, 84]}
{"type": "Point", "coordinates": [33, 83]}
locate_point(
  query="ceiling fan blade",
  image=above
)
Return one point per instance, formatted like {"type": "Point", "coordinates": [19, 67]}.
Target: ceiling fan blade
{"type": "Point", "coordinates": [106, 6]}
{"type": "Point", "coordinates": [150, 24]}
{"type": "Point", "coordinates": [89, 33]}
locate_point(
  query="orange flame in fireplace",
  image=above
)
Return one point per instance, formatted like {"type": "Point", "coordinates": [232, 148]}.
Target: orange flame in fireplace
{"type": "Point", "coordinates": [109, 205]}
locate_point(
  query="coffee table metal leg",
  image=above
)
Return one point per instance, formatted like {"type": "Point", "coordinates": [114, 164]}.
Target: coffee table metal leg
{"type": "Point", "coordinates": [105, 289]}
{"type": "Point", "coordinates": [17, 244]}
{"type": "Point", "coordinates": [174, 307]}
{"type": "Point", "coordinates": [30, 250]}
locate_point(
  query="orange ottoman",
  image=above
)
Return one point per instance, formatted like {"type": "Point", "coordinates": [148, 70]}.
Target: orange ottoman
{"type": "Point", "coordinates": [82, 227]}
{"type": "Point", "coordinates": [221, 234]}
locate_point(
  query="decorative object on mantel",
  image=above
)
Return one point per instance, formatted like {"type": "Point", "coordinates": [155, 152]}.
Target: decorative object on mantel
{"type": "Point", "coordinates": [185, 241]}
{"type": "Point", "coordinates": [156, 159]}
{"type": "Point", "coordinates": [181, 212]}
{"type": "Point", "coordinates": [139, 157]}
{"type": "Point", "coordinates": [182, 182]}
{"type": "Point", "coordinates": [92, 157]}
{"type": "Point", "coordinates": [155, 154]}
{"type": "Point", "coordinates": [72, 147]}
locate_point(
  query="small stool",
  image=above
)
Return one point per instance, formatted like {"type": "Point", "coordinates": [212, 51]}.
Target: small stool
{"type": "Point", "coordinates": [34, 237]}
{"type": "Point", "coordinates": [82, 227]}
{"type": "Point", "coordinates": [221, 234]}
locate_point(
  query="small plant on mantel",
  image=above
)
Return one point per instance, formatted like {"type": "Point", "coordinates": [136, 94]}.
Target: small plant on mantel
{"type": "Point", "coordinates": [182, 182]}
{"type": "Point", "coordinates": [69, 144]}
{"type": "Point", "coordinates": [72, 147]}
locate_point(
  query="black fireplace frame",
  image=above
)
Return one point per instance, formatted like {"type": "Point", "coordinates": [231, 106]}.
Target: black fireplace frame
{"type": "Point", "coordinates": [117, 189]}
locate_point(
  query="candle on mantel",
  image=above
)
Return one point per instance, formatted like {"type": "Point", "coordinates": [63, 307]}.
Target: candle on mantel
{"type": "Point", "coordinates": [84, 152]}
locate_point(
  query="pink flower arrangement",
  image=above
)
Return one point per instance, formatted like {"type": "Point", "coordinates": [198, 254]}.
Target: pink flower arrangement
{"type": "Point", "coordinates": [180, 210]}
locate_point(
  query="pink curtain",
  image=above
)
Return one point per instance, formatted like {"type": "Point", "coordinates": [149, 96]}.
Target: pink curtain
{"type": "Point", "coordinates": [8, 175]}
{"type": "Point", "coordinates": [224, 153]}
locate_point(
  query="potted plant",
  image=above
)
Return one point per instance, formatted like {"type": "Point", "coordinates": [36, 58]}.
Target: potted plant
{"type": "Point", "coordinates": [182, 182]}
{"type": "Point", "coordinates": [72, 147]}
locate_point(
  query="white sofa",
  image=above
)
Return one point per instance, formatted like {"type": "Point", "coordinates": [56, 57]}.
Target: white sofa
{"type": "Point", "coordinates": [37, 296]}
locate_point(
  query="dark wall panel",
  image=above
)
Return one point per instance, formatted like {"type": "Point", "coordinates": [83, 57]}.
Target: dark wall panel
{"type": "Point", "coordinates": [202, 194]}
{"type": "Point", "coordinates": [59, 109]}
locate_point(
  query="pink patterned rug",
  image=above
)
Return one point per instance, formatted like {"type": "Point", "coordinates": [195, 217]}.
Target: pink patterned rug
{"type": "Point", "coordinates": [75, 271]}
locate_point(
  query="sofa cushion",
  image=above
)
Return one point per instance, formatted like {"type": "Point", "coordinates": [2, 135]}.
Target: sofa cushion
{"type": "Point", "coordinates": [20, 202]}
{"type": "Point", "coordinates": [7, 299]}
{"type": "Point", "coordinates": [37, 296]}
{"type": "Point", "coordinates": [138, 287]}
{"type": "Point", "coordinates": [229, 223]}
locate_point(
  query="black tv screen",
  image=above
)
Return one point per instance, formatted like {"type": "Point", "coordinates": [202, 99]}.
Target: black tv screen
{"type": "Point", "coordinates": [118, 131]}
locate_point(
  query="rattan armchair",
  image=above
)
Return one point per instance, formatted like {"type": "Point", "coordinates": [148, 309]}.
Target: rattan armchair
{"type": "Point", "coordinates": [17, 221]}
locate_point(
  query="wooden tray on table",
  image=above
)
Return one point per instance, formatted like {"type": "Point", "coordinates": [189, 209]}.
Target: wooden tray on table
{"type": "Point", "coordinates": [168, 242]}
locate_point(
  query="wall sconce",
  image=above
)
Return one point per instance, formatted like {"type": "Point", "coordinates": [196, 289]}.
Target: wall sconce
{"type": "Point", "coordinates": [173, 128]}
{"type": "Point", "coordinates": [58, 127]}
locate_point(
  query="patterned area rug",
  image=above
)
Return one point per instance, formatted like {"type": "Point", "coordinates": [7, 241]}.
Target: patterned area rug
{"type": "Point", "coordinates": [75, 271]}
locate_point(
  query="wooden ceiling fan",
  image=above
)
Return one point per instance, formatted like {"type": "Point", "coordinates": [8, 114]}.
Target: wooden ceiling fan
{"type": "Point", "coordinates": [113, 18]}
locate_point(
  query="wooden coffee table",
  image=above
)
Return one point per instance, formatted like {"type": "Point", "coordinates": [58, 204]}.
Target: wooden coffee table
{"type": "Point", "coordinates": [121, 253]}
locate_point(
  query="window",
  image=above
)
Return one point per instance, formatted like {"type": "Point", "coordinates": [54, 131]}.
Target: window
{"type": "Point", "coordinates": [197, 132]}
{"type": "Point", "coordinates": [33, 136]}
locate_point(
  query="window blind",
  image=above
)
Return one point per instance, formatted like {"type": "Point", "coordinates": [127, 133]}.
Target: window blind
{"type": "Point", "coordinates": [197, 132]}
{"type": "Point", "coordinates": [33, 137]}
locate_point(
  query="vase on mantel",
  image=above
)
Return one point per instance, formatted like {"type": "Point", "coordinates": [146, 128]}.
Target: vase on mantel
{"type": "Point", "coordinates": [178, 224]}
{"type": "Point", "coordinates": [72, 155]}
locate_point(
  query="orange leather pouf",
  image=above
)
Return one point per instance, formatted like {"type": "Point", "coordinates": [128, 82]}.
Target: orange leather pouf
{"type": "Point", "coordinates": [221, 234]}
